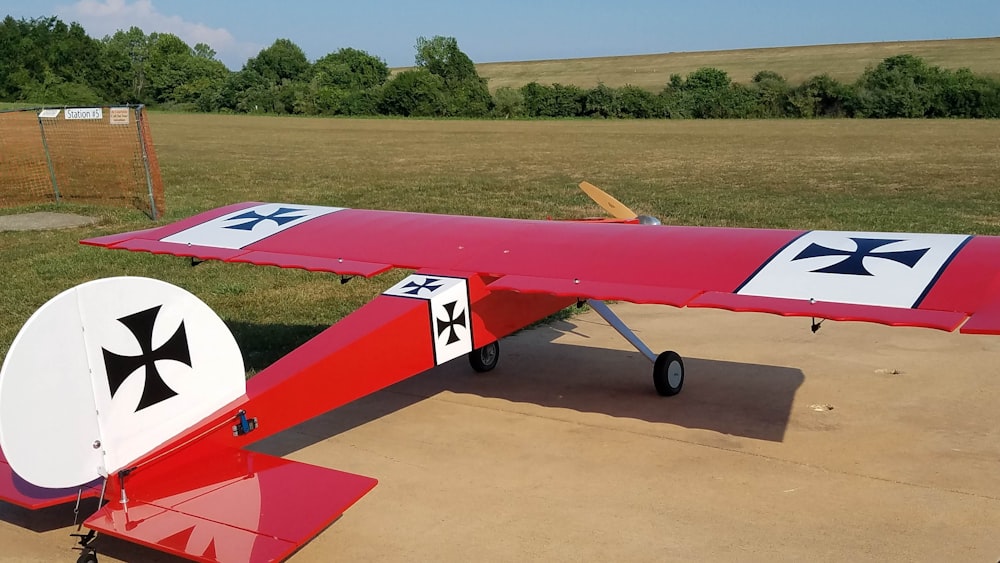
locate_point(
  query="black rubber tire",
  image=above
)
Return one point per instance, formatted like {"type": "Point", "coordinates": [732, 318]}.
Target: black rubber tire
{"type": "Point", "coordinates": [668, 374]}
{"type": "Point", "coordinates": [88, 556]}
{"type": "Point", "coordinates": [486, 358]}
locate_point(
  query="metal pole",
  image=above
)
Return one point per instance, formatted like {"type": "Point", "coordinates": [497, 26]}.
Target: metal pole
{"type": "Point", "coordinates": [48, 160]}
{"type": "Point", "coordinates": [145, 160]}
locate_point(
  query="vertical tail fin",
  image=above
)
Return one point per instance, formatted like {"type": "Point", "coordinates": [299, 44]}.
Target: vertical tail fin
{"type": "Point", "coordinates": [106, 372]}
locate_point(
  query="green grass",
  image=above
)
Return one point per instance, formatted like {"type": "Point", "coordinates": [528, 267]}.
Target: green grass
{"type": "Point", "coordinates": [932, 175]}
{"type": "Point", "coordinates": [796, 64]}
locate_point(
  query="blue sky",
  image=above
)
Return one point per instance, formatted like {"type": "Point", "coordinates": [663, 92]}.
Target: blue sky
{"type": "Point", "coordinates": [517, 30]}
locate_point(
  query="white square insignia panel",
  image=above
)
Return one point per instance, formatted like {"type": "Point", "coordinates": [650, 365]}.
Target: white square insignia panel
{"type": "Point", "coordinates": [448, 307]}
{"type": "Point", "coordinates": [882, 269]}
{"type": "Point", "coordinates": [247, 226]}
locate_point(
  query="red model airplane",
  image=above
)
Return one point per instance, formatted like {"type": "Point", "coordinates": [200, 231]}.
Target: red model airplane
{"type": "Point", "coordinates": [165, 449]}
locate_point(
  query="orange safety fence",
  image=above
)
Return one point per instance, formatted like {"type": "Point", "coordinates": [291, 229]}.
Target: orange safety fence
{"type": "Point", "coordinates": [88, 155]}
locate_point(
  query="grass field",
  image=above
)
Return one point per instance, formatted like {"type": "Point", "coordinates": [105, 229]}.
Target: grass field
{"type": "Point", "coordinates": [934, 175]}
{"type": "Point", "coordinates": [843, 62]}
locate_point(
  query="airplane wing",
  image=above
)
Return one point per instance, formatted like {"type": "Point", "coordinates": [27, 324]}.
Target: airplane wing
{"type": "Point", "coordinates": [941, 281]}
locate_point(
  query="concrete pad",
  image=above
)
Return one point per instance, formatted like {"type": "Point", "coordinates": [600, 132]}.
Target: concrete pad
{"type": "Point", "coordinates": [43, 220]}
{"type": "Point", "coordinates": [861, 443]}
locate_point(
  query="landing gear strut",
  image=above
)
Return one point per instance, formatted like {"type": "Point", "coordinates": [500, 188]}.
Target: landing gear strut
{"type": "Point", "coordinates": [668, 367]}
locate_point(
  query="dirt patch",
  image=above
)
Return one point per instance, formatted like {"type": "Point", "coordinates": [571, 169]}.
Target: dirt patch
{"type": "Point", "coordinates": [43, 221]}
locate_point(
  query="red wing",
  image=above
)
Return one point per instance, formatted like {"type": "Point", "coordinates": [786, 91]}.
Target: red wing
{"type": "Point", "coordinates": [935, 281]}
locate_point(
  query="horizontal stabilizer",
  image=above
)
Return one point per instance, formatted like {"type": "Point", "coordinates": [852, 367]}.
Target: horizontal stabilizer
{"type": "Point", "coordinates": [17, 491]}
{"type": "Point", "coordinates": [233, 505]}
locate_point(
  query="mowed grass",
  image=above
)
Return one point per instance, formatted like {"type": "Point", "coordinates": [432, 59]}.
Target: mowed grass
{"type": "Point", "coordinates": [932, 175]}
{"type": "Point", "coordinates": [796, 64]}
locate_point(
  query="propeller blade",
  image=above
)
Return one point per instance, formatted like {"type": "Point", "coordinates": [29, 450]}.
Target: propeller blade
{"type": "Point", "coordinates": [616, 208]}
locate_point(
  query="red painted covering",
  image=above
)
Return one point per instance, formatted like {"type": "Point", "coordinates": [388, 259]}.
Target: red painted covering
{"type": "Point", "coordinates": [704, 258]}
{"type": "Point", "coordinates": [229, 505]}
{"type": "Point", "coordinates": [669, 264]}
{"type": "Point", "coordinates": [892, 316]}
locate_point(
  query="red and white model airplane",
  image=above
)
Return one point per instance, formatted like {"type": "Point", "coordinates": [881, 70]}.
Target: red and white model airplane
{"type": "Point", "coordinates": [145, 404]}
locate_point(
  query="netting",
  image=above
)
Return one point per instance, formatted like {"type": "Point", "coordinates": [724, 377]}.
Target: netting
{"type": "Point", "coordinates": [88, 155]}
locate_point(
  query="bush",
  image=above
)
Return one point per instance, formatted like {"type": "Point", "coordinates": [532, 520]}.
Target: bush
{"type": "Point", "coordinates": [538, 99]}
{"type": "Point", "coordinates": [602, 101]}
{"type": "Point", "coordinates": [772, 93]}
{"type": "Point", "coordinates": [639, 103]}
{"type": "Point", "coordinates": [508, 102]}
{"type": "Point", "coordinates": [822, 96]}
{"type": "Point", "coordinates": [414, 93]}
{"type": "Point", "coordinates": [900, 86]}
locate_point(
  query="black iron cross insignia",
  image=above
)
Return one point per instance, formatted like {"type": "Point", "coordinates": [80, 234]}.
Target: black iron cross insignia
{"type": "Point", "coordinates": [451, 322]}
{"type": "Point", "coordinates": [120, 367]}
{"type": "Point", "coordinates": [413, 288]}
{"type": "Point", "coordinates": [853, 264]}
{"type": "Point", "coordinates": [253, 218]}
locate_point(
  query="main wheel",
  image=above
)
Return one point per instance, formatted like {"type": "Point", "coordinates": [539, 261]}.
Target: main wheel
{"type": "Point", "coordinates": [486, 358]}
{"type": "Point", "coordinates": [88, 556]}
{"type": "Point", "coordinates": [668, 374]}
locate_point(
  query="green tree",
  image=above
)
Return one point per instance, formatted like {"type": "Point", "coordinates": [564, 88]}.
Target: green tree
{"type": "Point", "coordinates": [44, 55]}
{"type": "Point", "coordinates": [170, 66]}
{"type": "Point", "coordinates": [274, 81]}
{"type": "Point", "coordinates": [508, 102]}
{"type": "Point", "coordinates": [465, 93]}
{"type": "Point", "coordinates": [416, 92]}
{"type": "Point", "coordinates": [350, 69]}
{"type": "Point", "coordinates": [348, 82]}
{"type": "Point", "coordinates": [773, 93]}
{"type": "Point", "coordinates": [707, 92]}
{"type": "Point", "coordinates": [899, 86]}
{"type": "Point", "coordinates": [126, 55]}
{"type": "Point", "coordinates": [442, 57]}
{"type": "Point", "coordinates": [55, 90]}
{"type": "Point", "coordinates": [283, 60]}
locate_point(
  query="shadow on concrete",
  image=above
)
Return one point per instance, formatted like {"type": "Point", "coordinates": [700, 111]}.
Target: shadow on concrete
{"type": "Point", "coordinates": [739, 399]}
{"type": "Point", "coordinates": [47, 519]}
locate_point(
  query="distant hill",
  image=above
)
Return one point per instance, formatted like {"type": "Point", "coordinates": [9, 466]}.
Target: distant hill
{"type": "Point", "coordinates": [843, 62]}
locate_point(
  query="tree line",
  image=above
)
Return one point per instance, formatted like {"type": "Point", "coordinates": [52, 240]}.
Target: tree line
{"type": "Point", "coordinates": [46, 61]}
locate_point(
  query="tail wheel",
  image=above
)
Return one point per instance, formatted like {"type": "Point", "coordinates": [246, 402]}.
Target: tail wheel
{"type": "Point", "coordinates": [668, 374]}
{"type": "Point", "coordinates": [486, 358]}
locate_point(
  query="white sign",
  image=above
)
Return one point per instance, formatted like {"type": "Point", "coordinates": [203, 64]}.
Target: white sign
{"type": "Point", "coordinates": [119, 116]}
{"type": "Point", "coordinates": [84, 113]}
{"type": "Point", "coordinates": [49, 113]}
